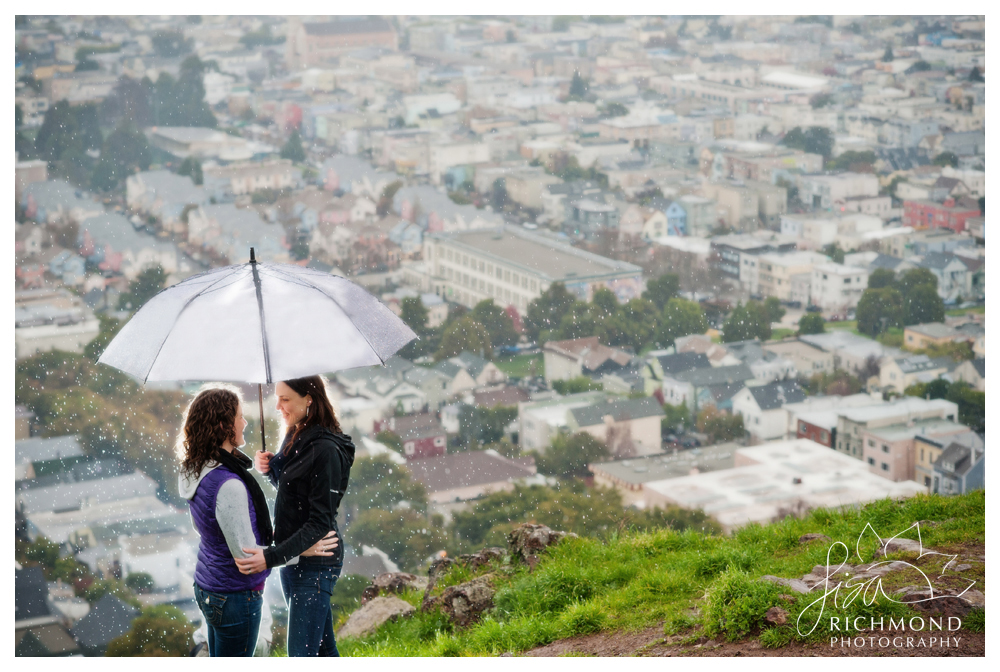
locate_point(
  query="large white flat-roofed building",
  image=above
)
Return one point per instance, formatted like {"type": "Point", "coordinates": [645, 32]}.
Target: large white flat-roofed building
{"type": "Point", "coordinates": [513, 267]}
{"type": "Point", "coordinates": [777, 478]}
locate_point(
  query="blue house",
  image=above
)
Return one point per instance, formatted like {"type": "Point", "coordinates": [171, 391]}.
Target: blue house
{"type": "Point", "coordinates": [676, 215]}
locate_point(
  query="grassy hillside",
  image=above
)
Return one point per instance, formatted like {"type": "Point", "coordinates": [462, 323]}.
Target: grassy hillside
{"type": "Point", "coordinates": [690, 584]}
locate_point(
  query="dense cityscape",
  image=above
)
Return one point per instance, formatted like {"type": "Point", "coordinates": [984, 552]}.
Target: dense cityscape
{"type": "Point", "coordinates": [667, 273]}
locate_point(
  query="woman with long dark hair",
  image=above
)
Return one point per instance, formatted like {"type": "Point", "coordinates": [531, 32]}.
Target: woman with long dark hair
{"type": "Point", "coordinates": [230, 513]}
{"type": "Point", "coordinates": [310, 471]}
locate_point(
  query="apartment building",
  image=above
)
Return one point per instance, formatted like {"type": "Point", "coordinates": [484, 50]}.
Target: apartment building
{"type": "Point", "coordinates": [777, 270]}
{"type": "Point", "coordinates": [513, 266]}
{"type": "Point", "coordinates": [851, 423]}
{"type": "Point", "coordinates": [890, 451]}
{"type": "Point", "coordinates": [836, 288]}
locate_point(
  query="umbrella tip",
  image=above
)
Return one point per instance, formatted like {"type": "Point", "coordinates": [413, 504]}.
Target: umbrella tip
{"type": "Point", "coordinates": [253, 259]}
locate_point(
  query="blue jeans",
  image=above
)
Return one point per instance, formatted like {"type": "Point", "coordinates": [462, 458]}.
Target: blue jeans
{"type": "Point", "coordinates": [307, 591]}
{"type": "Point", "coordinates": [233, 620]}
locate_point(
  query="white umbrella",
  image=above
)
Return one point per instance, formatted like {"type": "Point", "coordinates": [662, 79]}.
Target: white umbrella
{"type": "Point", "coordinates": [256, 323]}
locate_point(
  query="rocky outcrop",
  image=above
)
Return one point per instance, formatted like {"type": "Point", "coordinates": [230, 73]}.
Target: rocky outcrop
{"type": "Point", "coordinates": [530, 539]}
{"type": "Point", "coordinates": [776, 616]}
{"type": "Point", "coordinates": [373, 614]}
{"type": "Point", "coordinates": [393, 582]}
{"type": "Point", "coordinates": [466, 602]}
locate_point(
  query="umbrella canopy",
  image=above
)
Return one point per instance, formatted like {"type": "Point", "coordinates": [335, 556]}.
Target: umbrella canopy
{"type": "Point", "coordinates": [256, 323]}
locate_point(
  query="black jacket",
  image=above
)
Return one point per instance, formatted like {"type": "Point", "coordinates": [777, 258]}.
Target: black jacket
{"type": "Point", "coordinates": [311, 477]}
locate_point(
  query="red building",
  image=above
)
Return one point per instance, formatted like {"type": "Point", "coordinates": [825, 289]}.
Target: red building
{"type": "Point", "coordinates": [421, 434]}
{"type": "Point", "coordinates": [947, 215]}
{"type": "Point", "coordinates": [818, 426]}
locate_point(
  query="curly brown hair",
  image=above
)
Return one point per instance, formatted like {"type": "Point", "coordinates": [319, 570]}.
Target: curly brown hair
{"type": "Point", "coordinates": [209, 421]}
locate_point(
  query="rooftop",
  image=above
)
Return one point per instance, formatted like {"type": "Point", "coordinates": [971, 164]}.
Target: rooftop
{"type": "Point", "coordinates": [551, 260]}
{"type": "Point", "coordinates": [639, 470]}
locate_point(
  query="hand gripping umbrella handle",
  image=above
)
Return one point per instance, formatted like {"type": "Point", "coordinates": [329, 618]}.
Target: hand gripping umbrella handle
{"type": "Point", "coordinates": [260, 399]}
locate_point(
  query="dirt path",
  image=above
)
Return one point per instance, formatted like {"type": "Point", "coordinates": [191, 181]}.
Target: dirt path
{"type": "Point", "coordinates": [651, 642]}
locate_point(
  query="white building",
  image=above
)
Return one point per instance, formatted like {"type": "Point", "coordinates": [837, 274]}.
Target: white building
{"type": "Point", "coordinates": [836, 288]}
{"type": "Point", "coordinates": [51, 320]}
{"type": "Point", "coordinates": [776, 479]}
{"type": "Point", "coordinates": [823, 191]}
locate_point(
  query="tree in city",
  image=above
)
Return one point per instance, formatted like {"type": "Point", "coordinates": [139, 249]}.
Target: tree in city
{"type": "Point", "coordinates": [914, 278]}
{"type": "Point", "coordinates": [859, 162]}
{"type": "Point", "coordinates": [811, 323]}
{"type": "Point", "coordinates": [633, 325]}
{"type": "Point", "coordinates": [675, 417]}
{"type": "Point", "coordinates": [975, 75]}
{"type": "Point", "coordinates": [130, 100]}
{"type": "Point", "coordinates": [480, 426]}
{"type": "Point", "coordinates": [498, 323]}
{"type": "Point", "coordinates": [887, 56]}
{"type": "Point", "coordinates": [881, 277]}
{"type": "Point", "coordinates": [125, 152]}
{"type": "Point", "coordinates": [614, 109]}
{"type": "Point", "coordinates": [576, 385]}
{"type": "Point", "coordinates": [569, 455]}
{"type": "Point", "coordinates": [140, 582]}
{"type": "Point", "coordinates": [835, 253]}
{"type": "Point", "coordinates": [191, 167]}
{"type": "Point", "coordinates": [720, 425]}
{"type": "Point", "coordinates": [379, 483]}
{"type": "Point", "coordinates": [68, 130]}
{"type": "Point", "coordinates": [578, 87]}
{"type": "Point", "coordinates": [293, 149]}
{"type": "Point", "coordinates": [946, 159]}
{"type": "Point", "coordinates": [546, 312]}
{"type": "Point", "coordinates": [814, 140]}
{"type": "Point", "coordinates": [879, 310]}
{"type": "Point", "coordinates": [146, 285]}
{"type": "Point", "coordinates": [774, 309]}
{"type": "Point", "coordinates": [161, 630]}
{"type": "Point", "coordinates": [747, 322]}
{"type": "Point", "coordinates": [384, 205]}
{"type": "Point", "coordinates": [680, 317]}
{"type": "Point", "coordinates": [181, 102]}
{"type": "Point", "coordinates": [498, 194]}
{"type": "Point", "coordinates": [405, 535]}
{"type": "Point", "coordinates": [922, 305]}
{"type": "Point", "coordinates": [464, 334]}
{"type": "Point", "coordinates": [414, 313]}
{"type": "Point", "coordinates": [660, 290]}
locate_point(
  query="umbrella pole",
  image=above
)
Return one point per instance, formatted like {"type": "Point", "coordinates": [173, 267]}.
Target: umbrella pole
{"type": "Point", "coordinates": [260, 399]}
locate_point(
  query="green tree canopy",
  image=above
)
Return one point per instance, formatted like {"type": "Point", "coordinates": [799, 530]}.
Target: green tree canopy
{"type": "Point", "coordinates": [922, 305]}
{"type": "Point", "coordinates": [293, 149]}
{"type": "Point", "coordinates": [878, 310]}
{"type": "Point", "coordinates": [747, 322]}
{"type": "Point", "coordinates": [946, 159]}
{"type": "Point", "coordinates": [125, 152]}
{"type": "Point", "coordinates": [578, 87]}
{"type": "Point", "coordinates": [633, 326]}
{"type": "Point", "coordinates": [464, 334]}
{"type": "Point", "coordinates": [569, 455]}
{"type": "Point", "coordinates": [811, 323]}
{"type": "Point", "coordinates": [498, 323]}
{"type": "Point", "coordinates": [181, 102]}
{"type": "Point", "coordinates": [881, 277]}
{"type": "Point", "coordinates": [774, 309]}
{"type": "Point", "coordinates": [414, 313]}
{"type": "Point", "coordinates": [146, 285]}
{"type": "Point", "coordinates": [379, 483]}
{"type": "Point", "coordinates": [815, 140]}
{"type": "Point", "coordinates": [719, 425]}
{"type": "Point", "coordinates": [680, 318]}
{"type": "Point", "coordinates": [162, 630]}
{"type": "Point", "coordinates": [481, 426]}
{"type": "Point", "coordinates": [547, 311]}
{"type": "Point", "coordinates": [403, 534]}
{"type": "Point", "coordinates": [191, 167]}
{"type": "Point", "coordinates": [660, 290]}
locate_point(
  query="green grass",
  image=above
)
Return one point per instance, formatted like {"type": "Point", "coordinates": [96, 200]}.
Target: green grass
{"type": "Point", "coordinates": [519, 366]}
{"type": "Point", "coordinates": [778, 334]}
{"type": "Point", "coordinates": [849, 325]}
{"type": "Point", "coordinates": [690, 582]}
{"type": "Point", "coordinates": [962, 311]}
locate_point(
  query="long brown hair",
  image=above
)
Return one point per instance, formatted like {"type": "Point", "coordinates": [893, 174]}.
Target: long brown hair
{"type": "Point", "coordinates": [209, 421]}
{"type": "Point", "coordinates": [320, 412]}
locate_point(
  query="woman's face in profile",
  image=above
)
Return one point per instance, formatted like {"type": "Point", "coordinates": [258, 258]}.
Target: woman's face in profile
{"type": "Point", "coordinates": [291, 406]}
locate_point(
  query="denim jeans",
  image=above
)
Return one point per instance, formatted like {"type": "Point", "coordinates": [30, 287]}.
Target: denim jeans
{"type": "Point", "coordinates": [310, 619]}
{"type": "Point", "coordinates": [233, 620]}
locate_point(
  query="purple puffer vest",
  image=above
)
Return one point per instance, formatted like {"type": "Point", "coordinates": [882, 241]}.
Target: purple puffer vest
{"type": "Point", "coordinates": [216, 570]}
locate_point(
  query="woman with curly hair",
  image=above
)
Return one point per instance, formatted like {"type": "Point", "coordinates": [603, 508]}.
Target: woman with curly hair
{"type": "Point", "coordinates": [229, 511]}
{"type": "Point", "coordinates": [310, 471]}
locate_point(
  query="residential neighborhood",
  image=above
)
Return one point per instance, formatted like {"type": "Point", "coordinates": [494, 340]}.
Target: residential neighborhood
{"type": "Point", "coordinates": [727, 269]}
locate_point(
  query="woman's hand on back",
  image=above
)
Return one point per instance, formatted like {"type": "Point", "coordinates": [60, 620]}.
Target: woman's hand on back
{"type": "Point", "coordinates": [254, 564]}
{"type": "Point", "coordinates": [324, 547]}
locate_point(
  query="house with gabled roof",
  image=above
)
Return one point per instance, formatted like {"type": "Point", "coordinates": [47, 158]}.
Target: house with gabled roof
{"type": "Point", "coordinates": [628, 427]}
{"type": "Point", "coordinates": [460, 380]}
{"type": "Point", "coordinates": [56, 200]}
{"type": "Point", "coordinates": [694, 387]}
{"type": "Point", "coordinates": [577, 357]}
{"type": "Point", "coordinates": [763, 408]}
{"type": "Point", "coordinates": [482, 371]}
{"type": "Point", "coordinates": [898, 373]}
{"type": "Point", "coordinates": [109, 619]}
{"type": "Point", "coordinates": [110, 241]}
{"type": "Point", "coordinates": [950, 272]}
{"type": "Point", "coordinates": [230, 232]}
{"type": "Point", "coordinates": [163, 195]}
{"type": "Point", "coordinates": [959, 469]}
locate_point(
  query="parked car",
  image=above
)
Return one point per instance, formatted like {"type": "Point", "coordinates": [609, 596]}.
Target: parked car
{"type": "Point", "coordinates": [689, 442]}
{"type": "Point", "coordinates": [670, 439]}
